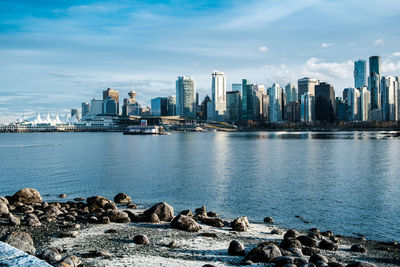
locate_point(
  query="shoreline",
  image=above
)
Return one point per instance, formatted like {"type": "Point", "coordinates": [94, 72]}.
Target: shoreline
{"type": "Point", "coordinates": [80, 228]}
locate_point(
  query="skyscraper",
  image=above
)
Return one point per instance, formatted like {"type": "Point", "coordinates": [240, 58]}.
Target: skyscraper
{"type": "Point", "coordinates": [275, 104]}
{"type": "Point", "coordinates": [85, 108]}
{"type": "Point", "coordinates": [131, 107]}
{"type": "Point", "coordinates": [110, 106]}
{"type": "Point", "coordinates": [353, 104]}
{"type": "Point", "coordinates": [172, 105]}
{"type": "Point", "coordinates": [307, 110]}
{"type": "Point", "coordinates": [247, 100]}
{"type": "Point", "coordinates": [114, 94]}
{"type": "Point", "coordinates": [360, 73]}
{"type": "Point", "coordinates": [365, 103]}
{"type": "Point", "coordinates": [324, 102]}
{"type": "Point", "coordinates": [374, 81]}
{"type": "Point", "coordinates": [218, 94]}
{"type": "Point", "coordinates": [390, 105]}
{"type": "Point", "coordinates": [306, 85]}
{"type": "Point", "coordinates": [233, 106]}
{"type": "Point", "coordinates": [159, 106]}
{"type": "Point", "coordinates": [291, 93]}
{"type": "Point", "coordinates": [185, 97]}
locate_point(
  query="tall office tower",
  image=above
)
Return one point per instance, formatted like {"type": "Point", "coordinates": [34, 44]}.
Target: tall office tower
{"type": "Point", "coordinates": [172, 105]}
{"type": "Point", "coordinates": [85, 108]}
{"type": "Point", "coordinates": [306, 85]}
{"type": "Point", "coordinates": [203, 107]}
{"type": "Point", "coordinates": [186, 97]}
{"type": "Point", "coordinates": [365, 103]}
{"type": "Point", "coordinates": [398, 96]}
{"type": "Point", "coordinates": [247, 100]}
{"type": "Point", "coordinates": [112, 94]}
{"type": "Point", "coordinates": [110, 107]}
{"type": "Point", "coordinates": [390, 104]}
{"type": "Point", "coordinates": [265, 108]}
{"type": "Point", "coordinates": [360, 73]}
{"type": "Point", "coordinates": [291, 93]}
{"type": "Point", "coordinates": [307, 109]}
{"type": "Point", "coordinates": [341, 109]}
{"type": "Point", "coordinates": [218, 94]}
{"type": "Point", "coordinates": [324, 102]}
{"type": "Point", "coordinates": [374, 81]}
{"type": "Point", "coordinates": [345, 94]}
{"type": "Point", "coordinates": [353, 104]}
{"type": "Point", "coordinates": [96, 107]}
{"type": "Point", "coordinates": [131, 107]}
{"type": "Point", "coordinates": [159, 106]}
{"type": "Point", "coordinates": [292, 111]}
{"type": "Point", "coordinates": [275, 104]}
{"type": "Point", "coordinates": [258, 92]}
{"type": "Point", "coordinates": [233, 106]}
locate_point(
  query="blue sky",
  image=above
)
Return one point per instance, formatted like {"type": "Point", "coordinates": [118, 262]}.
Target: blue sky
{"type": "Point", "coordinates": [56, 54]}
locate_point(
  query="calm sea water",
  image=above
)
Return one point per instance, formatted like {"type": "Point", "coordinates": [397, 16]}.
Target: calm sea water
{"type": "Point", "coordinates": [345, 182]}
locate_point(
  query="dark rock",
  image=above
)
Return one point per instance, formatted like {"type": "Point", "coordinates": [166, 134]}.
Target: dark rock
{"type": "Point", "coordinates": [4, 200]}
{"type": "Point", "coordinates": [27, 196]}
{"type": "Point", "coordinates": [164, 211]}
{"type": "Point", "coordinates": [269, 220]}
{"type": "Point", "coordinates": [291, 233]}
{"type": "Point", "coordinates": [118, 216]}
{"type": "Point", "coordinates": [110, 231]}
{"type": "Point", "coordinates": [153, 218]}
{"type": "Point", "coordinates": [69, 217]}
{"type": "Point", "coordinates": [296, 252]}
{"type": "Point", "coordinates": [50, 255]}
{"type": "Point", "coordinates": [321, 264]}
{"type": "Point", "coordinates": [300, 261]}
{"type": "Point", "coordinates": [247, 262]}
{"type": "Point", "coordinates": [62, 196]}
{"type": "Point", "coordinates": [327, 233]}
{"type": "Point", "coordinates": [318, 257]}
{"type": "Point", "coordinates": [327, 245]}
{"type": "Point", "coordinates": [290, 243]}
{"type": "Point", "coordinates": [104, 220]}
{"type": "Point", "coordinates": [172, 244]}
{"type": "Point", "coordinates": [14, 220]}
{"type": "Point", "coordinates": [282, 261]}
{"type": "Point", "coordinates": [264, 252]}
{"type": "Point", "coordinates": [307, 265]}
{"type": "Point", "coordinates": [93, 219]}
{"type": "Point", "coordinates": [236, 248]}
{"type": "Point", "coordinates": [360, 264]}
{"type": "Point", "coordinates": [185, 223]}
{"type": "Point", "coordinates": [187, 213]}
{"type": "Point", "coordinates": [215, 222]}
{"type": "Point", "coordinates": [201, 211]}
{"type": "Point", "coordinates": [100, 204]}
{"type": "Point", "coordinates": [307, 241]}
{"type": "Point", "coordinates": [212, 214]}
{"type": "Point", "coordinates": [240, 224]}
{"type": "Point", "coordinates": [212, 235]}
{"type": "Point", "coordinates": [71, 234]}
{"type": "Point", "coordinates": [335, 264]}
{"type": "Point", "coordinates": [358, 248]}
{"type": "Point", "coordinates": [4, 212]}
{"type": "Point", "coordinates": [20, 240]}
{"type": "Point", "coordinates": [132, 206]}
{"type": "Point", "coordinates": [27, 209]}
{"type": "Point", "coordinates": [141, 240]}
{"type": "Point", "coordinates": [73, 261]}
{"type": "Point", "coordinates": [32, 220]}
{"type": "Point", "coordinates": [276, 232]}
{"type": "Point", "coordinates": [79, 199]}
{"type": "Point", "coordinates": [209, 265]}
{"type": "Point", "coordinates": [122, 198]}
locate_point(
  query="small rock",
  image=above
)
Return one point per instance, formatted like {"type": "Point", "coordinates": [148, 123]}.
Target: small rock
{"type": "Point", "coordinates": [62, 195]}
{"type": "Point", "coordinates": [212, 214]}
{"type": "Point", "coordinates": [4, 200]}
{"type": "Point", "coordinates": [247, 262]}
{"type": "Point", "coordinates": [327, 245]}
{"type": "Point", "coordinates": [321, 264]}
{"type": "Point", "coordinates": [240, 224]}
{"type": "Point", "coordinates": [201, 211]}
{"type": "Point", "coordinates": [269, 220]}
{"type": "Point", "coordinates": [185, 223]}
{"type": "Point", "coordinates": [335, 264]}
{"type": "Point", "coordinates": [282, 261]}
{"type": "Point", "coordinates": [164, 211]}
{"type": "Point", "coordinates": [122, 198]}
{"type": "Point", "coordinates": [358, 248]}
{"type": "Point", "coordinates": [291, 233]}
{"type": "Point", "coordinates": [4, 212]}
{"type": "Point", "coordinates": [73, 261]}
{"type": "Point", "coordinates": [20, 240]}
{"type": "Point", "coordinates": [50, 255]}
{"type": "Point", "coordinates": [264, 252]}
{"type": "Point", "coordinates": [104, 254]}
{"type": "Point", "coordinates": [209, 265]}
{"type": "Point", "coordinates": [71, 234]}
{"type": "Point", "coordinates": [104, 220]}
{"type": "Point", "coordinates": [132, 206]}
{"type": "Point", "coordinates": [141, 240]}
{"type": "Point", "coordinates": [276, 231]}
{"type": "Point", "coordinates": [118, 216]}
{"type": "Point", "coordinates": [172, 244]}
{"type": "Point", "coordinates": [236, 248]}
{"type": "Point", "coordinates": [93, 219]}
{"type": "Point", "coordinates": [187, 213]}
{"type": "Point", "coordinates": [318, 257]}
{"type": "Point", "coordinates": [79, 199]}
{"type": "Point", "coordinates": [27, 209]}
{"type": "Point", "coordinates": [32, 220]}
{"type": "Point", "coordinates": [290, 243]}
{"type": "Point", "coordinates": [14, 220]}
{"type": "Point", "coordinates": [110, 231]}
{"type": "Point", "coordinates": [296, 252]}
{"type": "Point", "coordinates": [69, 217]}
{"type": "Point", "coordinates": [100, 204]}
{"type": "Point", "coordinates": [327, 233]}
{"type": "Point", "coordinates": [215, 222]}
{"type": "Point", "coordinates": [310, 251]}
{"type": "Point", "coordinates": [307, 241]}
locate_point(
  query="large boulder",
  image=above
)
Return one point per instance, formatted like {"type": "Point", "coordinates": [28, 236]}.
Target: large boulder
{"type": "Point", "coordinates": [240, 224]}
{"type": "Point", "coordinates": [20, 240]}
{"type": "Point", "coordinates": [4, 212]}
{"type": "Point", "coordinates": [215, 222]}
{"type": "Point", "coordinates": [185, 223]}
{"type": "Point", "coordinates": [318, 258]}
{"type": "Point", "coordinates": [307, 241]}
{"type": "Point", "coordinates": [327, 245]}
{"type": "Point", "coordinates": [264, 252]}
{"type": "Point", "coordinates": [236, 248]}
{"type": "Point", "coordinates": [99, 203]}
{"type": "Point", "coordinates": [164, 211]}
{"type": "Point", "coordinates": [290, 243]}
{"type": "Point", "coordinates": [122, 198]}
{"type": "Point", "coordinates": [27, 196]}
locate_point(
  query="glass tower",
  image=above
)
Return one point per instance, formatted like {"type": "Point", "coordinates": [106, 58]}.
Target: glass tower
{"type": "Point", "coordinates": [360, 73]}
{"type": "Point", "coordinates": [374, 81]}
{"type": "Point", "coordinates": [186, 97]}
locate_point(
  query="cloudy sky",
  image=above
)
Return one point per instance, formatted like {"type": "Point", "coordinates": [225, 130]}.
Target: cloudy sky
{"type": "Point", "coordinates": [56, 54]}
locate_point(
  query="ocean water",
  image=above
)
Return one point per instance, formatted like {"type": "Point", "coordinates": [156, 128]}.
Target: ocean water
{"type": "Point", "coordinates": [346, 182]}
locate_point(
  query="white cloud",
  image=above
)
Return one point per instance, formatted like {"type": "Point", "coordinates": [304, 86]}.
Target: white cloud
{"type": "Point", "coordinates": [263, 48]}
{"type": "Point", "coordinates": [328, 70]}
{"type": "Point", "coordinates": [396, 54]}
{"type": "Point", "coordinates": [390, 67]}
{"type": "Point", "coordinates": [379, 41]}
{"type": "Point", "coordinates": [326, 45]}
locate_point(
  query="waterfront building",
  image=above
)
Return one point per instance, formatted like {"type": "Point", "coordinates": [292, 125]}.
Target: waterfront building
{"type": "Point", "coordinates": [159, 106]}
{"type": "Point", "coordinates": [292, 111]}
{"type": "Point", "coordinates": [186, 97]}
{"type": "Point", "coordinates": [247, 100]}
{"type": "Point", "coordinates": [307, 107]}
{"type": "Point", "coordinates": [172, 105]}
{"type": "Point", "coordinates": [265, 108]}
{"type": "Point", "coordinates": [203, 107]}
{"type": "Point", "coordinates": [390, 104]}
{"type": "Point", "coordinates": [210, 111]}
{"type": "Point", "coordinates": [290, 93]}
{"type": "Point", "coordinates": [353, 104]}
{"type": "Point", "coordinates": [275, 104]}
{"type": "Point", "coordinates": [131, 107]}
{"type": "Point", "coordinates": [341, 109]}
{"type": "Point", "coordinates": [345, 94]}
{"type": "Point", "coordinates": [375, 115]}
{"type": "Point", "coordinates": [374, 81]}
{"type": "Point", "coordinates": [258, 92]}
{"type": "Point", "coordinates": [365, 103]}
{"type": "Point", "coordinates": [324, 102]}
{"type": "Point", "coordinates": [218, 95]}
{"type": "Point", "coordinates": [360, 73]}
{"type": "Point", "coordinates": [110, 106]}
{"type": "Point", "coordinates": [85, 108]}
{"type": "Point", "coordinates": [114, 94]}
{"type": "Point", "coordinates": [306, 85]}
{"type": "Point", "coordinates": [233, 106]}
{"type": "Point", "coordinates": [96, 107]}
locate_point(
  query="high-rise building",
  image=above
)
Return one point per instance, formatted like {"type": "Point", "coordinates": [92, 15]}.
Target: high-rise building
{"type": "Point", "coordinates": [247, 100]}
{"type": "Point", "coordinates": [75, 112]}
{"type": "Point", "coordinates": [85, 108]}
{"type": "Point", "coordinates": [374, 80]}
{"type": "Point", "coordinates": [292, 111]}
{"type": "Point", "coordinates": [203, 107]}
{"type": "Point", "coordinates": [131, 107]}
{"type": "Point", "coordinates": [186, 97]}
{"type": "Point", "coordinates": [237, 87]}
{"type": "Point", "coordinates": [275, 104]}
{"type": "Point", "coordinates": [390, 105]}
{"type": "Point", "coordinates": [324, 102]}
{"type": "Point", "coordinates": [341, 109]}
{"type": "Point", "coordinates": [172, 105]}
{"type": "Point", "coordinates": [290, 93]}
{"type": "Point", "coordinates": [365, 103]}
{"type": "Point", "coordinates": [307, 109]}
{"type": "Point", "coordinates": [218, 94]}
{"type": "Point", "coordinates": [96, 107]}
{"type": "Point", "coordinates": [110, 106]}
{"type": "Point", "coordinates": [233, 106]}
{"type": "Point", "coordinates": [258, 92]}
{"type": "Point", "coordinates": [114, 94]}
{"type": "Point", "coordinates": [306, 85]}
{"type": "Point", "coordinates": [159, 106]}
{"type": "Point", "coordinates": [353, 104]}
{"type": "Point", "coordinates": [360, 73]}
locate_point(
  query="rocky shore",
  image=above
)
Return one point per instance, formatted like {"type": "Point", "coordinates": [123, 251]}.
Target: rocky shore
{"type": "Point", "coordinates": [100, 232]}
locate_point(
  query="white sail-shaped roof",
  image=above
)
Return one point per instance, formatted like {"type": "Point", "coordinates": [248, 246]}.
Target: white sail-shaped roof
{"type": "Point", "coordinates": [57, 120]}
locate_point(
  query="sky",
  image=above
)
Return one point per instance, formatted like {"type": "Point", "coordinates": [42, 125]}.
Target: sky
{"type": "Point", "coordinates": [56, 54]}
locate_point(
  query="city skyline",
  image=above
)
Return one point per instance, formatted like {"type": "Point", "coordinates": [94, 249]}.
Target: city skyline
{"type": "Point", "coordinates": [57, 55]}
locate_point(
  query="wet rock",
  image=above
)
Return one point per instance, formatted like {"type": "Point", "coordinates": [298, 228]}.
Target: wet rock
{"type": "Point", "coordinates": [310, 251]}
{"type": "Point", "coordinates": [141, 240]}
{"type": "Point", "coordinates": [69, 217]}
{"type": "Point", "coordinates": [73, 261]}
{"type": "Point", "coordinates": [104, 254]}
{"type": "Point", "coordinates": [132, 206]}
{"type": "Point", "coordinates": [358, 248]}
{"type": "Point", "coordinates": [282, 261]}
{"type": "Point", "coordinates": [327, 233]}
{"type": "Point", "coordinates": [122, 198]}
{"type": "Point", "coordinates": [307, 265]}
{"type": "Point", "coordinates": [4, 200]}
{"type": "Point", "coordinates": [296, 252]}
{"type": "Point", "coordinates": [118, 216]}
{"type": "Point", "coordinates": [318, 257]}
{"type": "Point", "coordinates": [32, 220]}
{"type": "Point", "coordinates": [240, 224]}
{"type": "Point", "coordinates": [291, 233]}
{"type": "Point", "coordinates": [20, 240]}
{"type": "Point", "coordinates": [27, 196]}
{"type": "Point", "coordinates": [62, 195]}
{"type": "Point", "coordinates": [110, 231]}
{"type": "Point", "coordinates": [71, 234]}
{"type": "Point", "coordinates": [360, 264]}
{"type": "Point", "coordinates": [264, 252]}
{"type": "Point", "coordinates": [79, 199]}
{"type": "Point", "coordinates": [104, 220]}
{"type": "Point", "coordinates": [269, 220]}
{"type": "Point", "coordinates": [307, 241]}
{"type": "Point", "coordinates": [276, 232]}
{"type": "Point", "coordinates": [53, 210]}
{"type": "Point", "coordinates": [321, 264]}
{"type": "Point", "coordinates": [247, 262]}
{"type": "Point", "coordinates": [300, 261]}
{"type": "Point", "coordinates": [185, 223]}
{"type": "Point", "coordinates": [187, 213]}
{"type": "Point", "coordinates": [212, 214]}
{"type": "Point", "coordinates": [14, 220]}
{"type": "Point", "coordinates": [172, 244]}
{"type": "Point", "coordinates": [4, 212]}
{"type": "Point", "coordinates": [236, 248]}
{"type": "Point", "coordinates": [209, 265]}
{"type": "Point", "coordinates": [201, 211]}
{"type": "Point", "coordinates": [215, 222]}
{"type": "Point", "coordinates": [164, 211]}
{"type": "Point", "coordinates": [335, 264]}
{"type": "Point", "coordinates": [100, 204]}
{"type": "Point", "coordinates": [290, 243]}
{"type": "Point", "coordinates": [27, 209]}
{"type": "Point", "coordinates": [327, 245]}
{"type": "Point", "coordinates": [212, 235]}
{"type": "Point", "coordinates": [50, 255]}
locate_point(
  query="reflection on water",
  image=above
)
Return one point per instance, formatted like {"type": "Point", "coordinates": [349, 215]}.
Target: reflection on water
{"type": "Point", "coordinates": [343, 181]}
